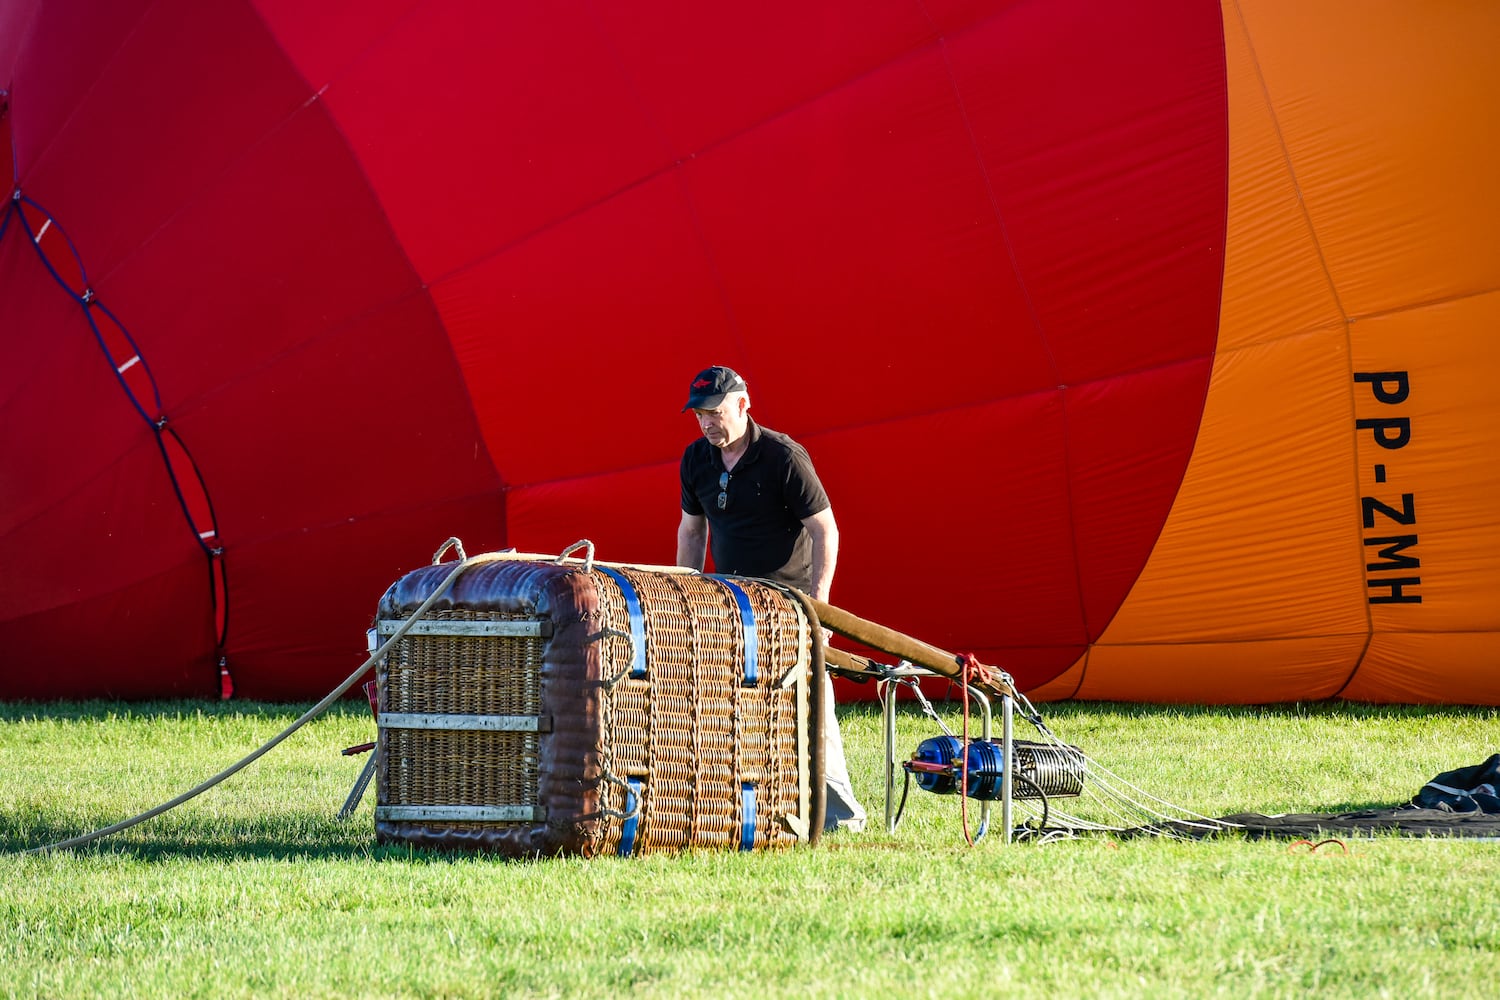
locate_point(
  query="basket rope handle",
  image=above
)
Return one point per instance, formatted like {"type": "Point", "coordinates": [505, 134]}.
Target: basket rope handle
{"type": "Point", "coordinates": [452, 543]}
{"type": "Point", "coordinates": [588, 560]}
{"type": "Point", "coordinates": [613, 779]}
{"type": "Point", "coordinates": [614, 633]}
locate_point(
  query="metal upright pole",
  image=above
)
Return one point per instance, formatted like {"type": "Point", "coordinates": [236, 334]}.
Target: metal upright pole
{"type": "Point", "coordinates": [888, 708]}
{"type": "Point", "coordinates": [1007, 714]}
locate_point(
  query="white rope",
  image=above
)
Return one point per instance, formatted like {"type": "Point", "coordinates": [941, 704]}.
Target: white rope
{"type": "Point", "coordinates": [1128, 804]}
{"type": "Point", "coordinates": [1125, 804]}
{"type": "Point", "coordinates": [322, 706]}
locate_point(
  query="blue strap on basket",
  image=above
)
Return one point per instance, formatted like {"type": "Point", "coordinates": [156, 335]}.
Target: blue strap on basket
{"type": "Point", "coordinates": [637, 621]}
{"type": "Point", "coordinates": [627, 831]}
{"type": "Point", "coordinates": [747, 623]}
{"type": "Point", "coordinates": [747, 820]}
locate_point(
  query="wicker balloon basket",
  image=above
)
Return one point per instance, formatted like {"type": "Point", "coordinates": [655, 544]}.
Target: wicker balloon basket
{"type": "Point", "coordinates": [549, 707]}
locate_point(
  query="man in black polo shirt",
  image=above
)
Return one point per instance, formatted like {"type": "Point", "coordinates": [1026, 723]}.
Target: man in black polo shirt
{"type": "Point", "coordinates": [752, 496]}
{"type": "Point", "coordinates": [757, 491]}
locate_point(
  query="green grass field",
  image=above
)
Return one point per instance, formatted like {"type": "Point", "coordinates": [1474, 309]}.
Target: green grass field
{"type": "Point", "coordinates": [255, 890]}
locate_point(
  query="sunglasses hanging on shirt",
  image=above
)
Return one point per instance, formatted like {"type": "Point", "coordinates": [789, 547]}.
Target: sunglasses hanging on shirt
{"type": "Point", "coordinates": [723, 490]}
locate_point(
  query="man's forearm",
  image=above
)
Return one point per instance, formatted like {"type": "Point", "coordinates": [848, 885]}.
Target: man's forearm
{"type": "Point", "coordinates": [822, 574]}
{"type": "Point", "coordinates": [692, 546]}
{"type": "Point", "coordinates": [823, 532]}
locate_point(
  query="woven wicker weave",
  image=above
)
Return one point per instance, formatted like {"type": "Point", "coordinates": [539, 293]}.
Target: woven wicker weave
{"type": "Point", "coordinates": [635, 721]}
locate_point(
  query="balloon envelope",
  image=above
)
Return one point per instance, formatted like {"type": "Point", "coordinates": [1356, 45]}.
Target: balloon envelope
{"type": "Point", "coordinates": [1144, 350]}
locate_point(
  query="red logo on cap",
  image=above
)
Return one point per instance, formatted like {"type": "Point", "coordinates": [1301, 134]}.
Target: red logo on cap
{"type": "Point", "coordinates": [701, 383]}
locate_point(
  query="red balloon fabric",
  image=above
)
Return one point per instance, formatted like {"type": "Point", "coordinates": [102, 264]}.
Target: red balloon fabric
{"type": "Point", "coordinates": [294, 292]}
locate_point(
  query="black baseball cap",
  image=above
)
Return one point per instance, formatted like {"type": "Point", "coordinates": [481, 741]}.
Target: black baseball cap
{"type": "Point", "coordinates": [711, 385]}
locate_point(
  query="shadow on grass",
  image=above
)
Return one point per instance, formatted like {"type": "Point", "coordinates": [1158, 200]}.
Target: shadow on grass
{"type": "Point", "coordinates": [354, 704]}
{"type": "Point", "coordinates": [1351, 710]}
{"type": "Point", "coordinates": [316, 836]}
{"type": "Point", "coordinates": [304, 838]}
{"type": "Point", "coordinates": [100, 710]}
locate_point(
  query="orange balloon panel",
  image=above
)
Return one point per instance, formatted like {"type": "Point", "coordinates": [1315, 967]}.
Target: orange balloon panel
{"type": "Point", "coordinates": [1428, 487]}
{"type": "Point", "coordinates": [1408, 667]}
{"type": "Point", "coordinates": [1248, 551]}
{"type": "Point", "coordinates": [1337, 490]}
{"type": "Point", "coordinates": [1385, 115]}
{"type": "Point", "coordinates": [1269, 670]}
{"type": "Point", "coordinates": [1275, 283]}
